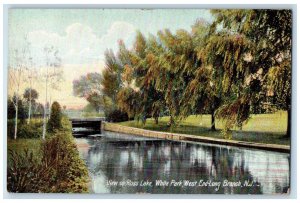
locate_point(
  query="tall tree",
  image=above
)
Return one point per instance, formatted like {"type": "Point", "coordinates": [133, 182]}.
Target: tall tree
{"type": "Point", "coordinates": [16, 77]}
{"type": "Point", "coordinates": [252, 45]}
{"type": "Point", "coordinates": [203, 92]}
{"type": "Point", "coordinates": [52, 61]}
{"type": "Point", "coordinates": [111, 80]}
{"type": "Point", "coordinates": [178, 61]}
{"type": "Point", "coordinates": [151, 102]}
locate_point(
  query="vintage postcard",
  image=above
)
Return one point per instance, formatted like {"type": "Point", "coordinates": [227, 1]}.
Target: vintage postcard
{"type": "Point", "coordinates": [151, 101]}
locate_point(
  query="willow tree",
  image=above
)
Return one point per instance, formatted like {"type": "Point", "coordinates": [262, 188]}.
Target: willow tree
{"type": "Point", "coordinates": [203, 92]}
{"type": "Point", "coordinates": [132, 96]}
{"type": "Point", "coordinates": [111, 81]}
{"type": "Point", "coordinates": [128, 95]}
{"type": "Point", "coordinates": [247, 47]}
{"type": "Point", "coordinates": [151, 99]}
{"type": "Point", "coordinates": [152, 78]}
{"type": "Point", "coordinates": [224, 52]}
{"type": "Point", "coordinates": [177, 62]}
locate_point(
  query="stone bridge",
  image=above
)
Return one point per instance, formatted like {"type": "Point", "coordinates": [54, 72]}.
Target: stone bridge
{"type": "Point", "coordinates": [82, 127]}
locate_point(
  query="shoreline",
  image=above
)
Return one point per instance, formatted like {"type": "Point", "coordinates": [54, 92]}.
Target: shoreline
{"type": "Point", "coordinates": [185, 137]}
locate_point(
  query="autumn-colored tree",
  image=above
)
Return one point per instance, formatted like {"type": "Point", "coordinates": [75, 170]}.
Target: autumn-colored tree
{"type": "Point", "coordinates": [151, 100]}
{"type": "Point", "coordinates": [225, 68]}
{"type": "Point", "coordinates": [203, 92]}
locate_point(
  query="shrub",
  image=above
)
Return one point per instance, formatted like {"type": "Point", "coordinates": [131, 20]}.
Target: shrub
{"type": "Point", "coordinates": [29, 131]}
{"type": "Point", "coordinates": [26, 174]}
{"type": "Point", "coordinates": [32, 130]}
{"type": "Point", "coordinates": [116, 116]}
{"type": "Point", "coordinates": [10, 128]}
{"type": "Point", "coordinates": [56, 169]}
{"type": "Point", "coordinates": [70, 173]}
{"type": "Point", "coordinates": [55, 117]}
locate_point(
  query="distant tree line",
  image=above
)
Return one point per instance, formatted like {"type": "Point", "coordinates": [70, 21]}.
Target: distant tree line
{"type": "Point", "coordinates": [28, 106]}
{"type": "Point", "coordinates": [237, 65]}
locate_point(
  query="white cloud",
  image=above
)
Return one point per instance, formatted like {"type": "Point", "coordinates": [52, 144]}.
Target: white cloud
{"type": "Point", "coordinates": [80, 44]}
{"type": "Point", "coordinates": [118, 30]}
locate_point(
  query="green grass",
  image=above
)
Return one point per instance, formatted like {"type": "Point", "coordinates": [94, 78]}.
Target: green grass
{"type": "Point", "coordinates": [92, 114]}
{"type": "Point", "coordinates": [262, 128]}
{"type": "Point", "coordinates": [67, 173]}
{"type": "Point", "coordinates": [32, 144]}
{"type": "Point", "coordinates": [20, 144]}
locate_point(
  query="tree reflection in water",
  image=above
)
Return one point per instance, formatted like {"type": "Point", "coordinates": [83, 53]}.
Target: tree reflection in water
{"type": "Point", "coordinates": [112, 159]}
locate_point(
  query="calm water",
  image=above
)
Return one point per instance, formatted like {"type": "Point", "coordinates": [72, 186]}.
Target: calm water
{"type": "Point", "coordinates": [130, 164]}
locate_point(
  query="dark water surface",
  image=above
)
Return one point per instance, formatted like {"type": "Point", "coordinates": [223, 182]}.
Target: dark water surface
{"type": "Point", "coordinates": [130, 164]}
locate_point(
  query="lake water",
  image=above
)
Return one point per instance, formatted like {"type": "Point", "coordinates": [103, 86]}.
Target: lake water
{"type": "Point", "coordinates": [131, 164]}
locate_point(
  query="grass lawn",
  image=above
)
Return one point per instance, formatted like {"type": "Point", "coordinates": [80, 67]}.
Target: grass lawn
{"type": "Point", "coordinates": [18, 145]}
{"type": "Point", "coordinates": [262, 128]}
{"type": "Point", "coordinates": [92, 114]}
{"type": "Point", "coordinates": [32, 144]}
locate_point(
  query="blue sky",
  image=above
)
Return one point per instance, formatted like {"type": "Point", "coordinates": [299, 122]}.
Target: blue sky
{"type": "Point", "coordinates": [82, 35]}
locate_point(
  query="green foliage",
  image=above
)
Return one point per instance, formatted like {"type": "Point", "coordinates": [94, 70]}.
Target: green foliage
{"type": "Point", "coordinates": [55, 168]}
{"type": "Point", "coordinates": [88, 87]}
{"type": "Point", "coordinates": [111, 75]}
{"type": "Point", "coordinates": [254, 53]}
{"type": "Point", "coordinates": [30, 94]}
{"type": "Point", "coordinates": [37, 108]}
{"type": "Point", "coordinates": [262, 128]}
{"type": "Point", "coordinates": [31, 130]}
{"type": "Point", "coordinates": [55, 117]}
{"type": "Point", "coordinates": [24, 174]}
{"type": "Point", "coordinates": [10, 109]}
{"type": "Point", "coordinates": [128, 101]}
{"type": "Point", "coordinates": [229, 68]}
{"type": "Point", "coordinates": [116, 116]}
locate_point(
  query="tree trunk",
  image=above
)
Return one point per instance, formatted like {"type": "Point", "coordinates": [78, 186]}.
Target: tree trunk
{"type": "Point", "coordinates": [16, 121]}
{"type": "Point", "coordinates": [29, 110]}
{"type": "Point", "coordinates": [213, 123]}
{"type": "Point", "coordinates": [29, 113]}
{"type": "Point", "coordinates": [156, 120]}
{"type": "Point", "coordinates": [48, 116]}
{"type": "Point", "coordinates": [45, 109]}
{"type": "Point", "coordinates": [289, 124]}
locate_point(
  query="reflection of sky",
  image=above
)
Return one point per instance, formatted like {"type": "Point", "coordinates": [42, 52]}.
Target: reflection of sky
{"type": "Point", "coordinates": [152, 160]}
{"type": "Point", "coordinates": [267, 168]}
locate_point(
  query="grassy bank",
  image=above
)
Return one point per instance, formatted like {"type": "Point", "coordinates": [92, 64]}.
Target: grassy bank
{"type": "Point", "coordinates": [263, 128]}
{"type": "Point", "coordinates": [52, 165]}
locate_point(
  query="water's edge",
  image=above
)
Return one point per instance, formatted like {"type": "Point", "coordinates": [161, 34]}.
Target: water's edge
{"type": "Point", "coordinates": [119, 163]}
{"type": "Point", "coordinates": [185, 137]}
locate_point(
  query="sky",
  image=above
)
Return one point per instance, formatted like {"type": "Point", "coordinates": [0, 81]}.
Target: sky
{"type": "Point", "coordinates": [81, 37]}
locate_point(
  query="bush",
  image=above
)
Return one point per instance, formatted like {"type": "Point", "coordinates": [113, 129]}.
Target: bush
{"type": "Point", "coordinates": [56, 169]}
{"type": "Point", "coordinates": [32, 130]}
{"type": "Point", "coordinates": [10, 128]}
{"type": "Point", "coordinates": [55, 117]}
{"type": "Point", "coordinates": [25, 173]}
{"type": "Point", "coordinates": [116, 116]}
